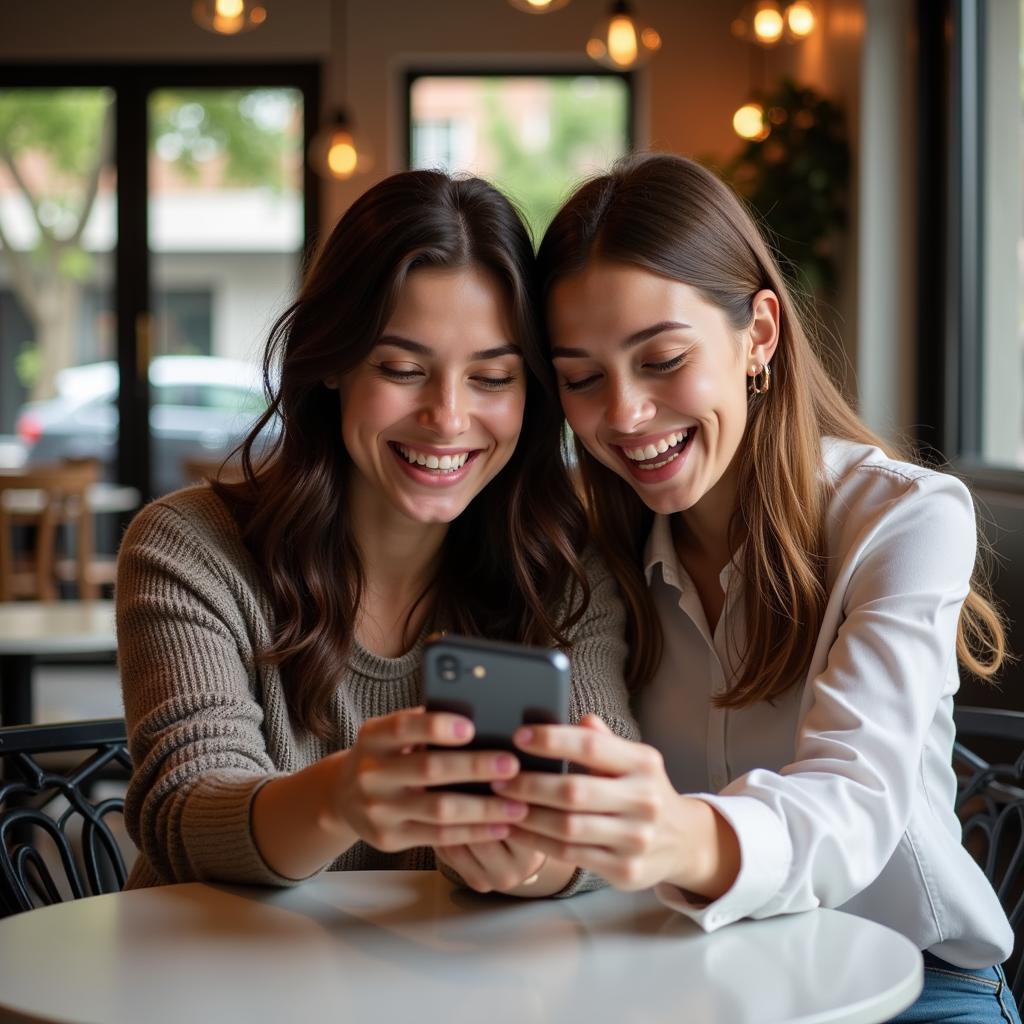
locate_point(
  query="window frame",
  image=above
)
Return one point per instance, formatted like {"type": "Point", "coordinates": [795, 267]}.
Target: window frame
{"type": "Point", "coordinates": [951, 155]}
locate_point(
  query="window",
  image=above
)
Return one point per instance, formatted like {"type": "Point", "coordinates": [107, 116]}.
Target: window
{"type": "Point", "coordinates": [533, 135]}
{"type": "Point", "coordinates": [971, 280]}
{"type": "Point", "coordinates": [151, 215]}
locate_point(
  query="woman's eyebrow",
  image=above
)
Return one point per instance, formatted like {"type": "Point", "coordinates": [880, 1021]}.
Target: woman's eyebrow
{"type": "Point", "coordinates": [418, 348]}
{"type": "Point", "coordinates": [636, 338]}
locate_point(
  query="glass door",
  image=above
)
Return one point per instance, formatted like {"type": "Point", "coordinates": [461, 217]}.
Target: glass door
{"type": "Point", "coordinates": [226, 234]}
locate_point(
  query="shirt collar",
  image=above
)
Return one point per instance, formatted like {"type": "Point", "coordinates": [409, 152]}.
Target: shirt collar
{"type": "Point", "coordinates": [661, 550]}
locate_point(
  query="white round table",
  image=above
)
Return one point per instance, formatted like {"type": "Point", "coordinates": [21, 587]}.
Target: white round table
{"type": "Point", "coordinates": [388, 946]}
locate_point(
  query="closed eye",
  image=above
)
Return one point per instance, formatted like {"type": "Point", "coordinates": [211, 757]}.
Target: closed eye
{"type": "Point", "coordinates": [392, 373]}
{"type": "Point", "coordinates": [583, 382]}
{"type": "Point", "coordinates": [668, 365]}
{"type": "Point", "coordinates": [495, 383]}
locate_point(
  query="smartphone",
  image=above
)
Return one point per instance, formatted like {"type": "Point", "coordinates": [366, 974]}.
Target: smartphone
{"type": "Point", "coordinates": [499, 687]}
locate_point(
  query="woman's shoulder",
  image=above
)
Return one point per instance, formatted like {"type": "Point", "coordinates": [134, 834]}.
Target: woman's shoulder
{"type": "Point", "coordinates": [869, 488]}
{"type": "Point", "coordinates": [853, 468]}
{"type": "Point", "coordinates": [192, 526]}
{"type": "Point", "coordinates": [197, 509]}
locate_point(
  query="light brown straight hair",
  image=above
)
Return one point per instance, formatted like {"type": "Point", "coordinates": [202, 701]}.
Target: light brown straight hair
{"type": "Point", "coordinates": [675, 218]}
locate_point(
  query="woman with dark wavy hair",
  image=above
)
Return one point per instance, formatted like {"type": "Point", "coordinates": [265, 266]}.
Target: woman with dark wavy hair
{"type": "Point", "coordinates": [270, 630]}
{"type": "Point", "coordinates": [799, 597]}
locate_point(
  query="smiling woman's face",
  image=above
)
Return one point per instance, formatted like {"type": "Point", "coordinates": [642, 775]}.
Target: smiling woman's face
{"type": "Point", "coordinates": [654, 379]}
{"type": "Point", "coordinates": [434, 412]}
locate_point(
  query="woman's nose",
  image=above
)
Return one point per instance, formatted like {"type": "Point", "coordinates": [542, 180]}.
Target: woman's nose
{"type": "Point", "coordinates": [628, 407]}
{"type": "Point", "coordinates": [445, 411]}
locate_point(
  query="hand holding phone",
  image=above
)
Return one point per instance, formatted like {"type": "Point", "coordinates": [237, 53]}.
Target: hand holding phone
{"type": "Point", "coordinates": [499, 687]}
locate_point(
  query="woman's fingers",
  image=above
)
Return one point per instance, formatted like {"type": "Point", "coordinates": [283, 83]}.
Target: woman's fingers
{"type": "Point", "coordinates": [413, 727]}
{"type": "Point", "coordinates": [462, 860]}
{"type": "Point", "coordinates": [446, 767]}
{"type": "Point", "coordinates": [571, 792]}
{"type": "Point", "coordinates": [597, 751]}
{"type": "Point", "coordinates": [610, 831]}
{"type": "Point", "coordinates": [623, 871]}
{"type": "Point", "coordinates": [447, 808]}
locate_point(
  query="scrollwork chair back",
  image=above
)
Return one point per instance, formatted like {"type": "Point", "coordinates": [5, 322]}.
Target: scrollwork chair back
{"type": "Point", "coordinates": [990, 805]}
{"type": "Point", "coordinates": [44, 806]}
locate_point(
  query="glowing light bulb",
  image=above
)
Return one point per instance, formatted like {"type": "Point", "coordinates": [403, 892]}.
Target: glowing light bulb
{"type": "Point", "coordinates": [768, 25]}
{"type": "Point", "coordinates": [227, 17]}
{"type": "Point", "coordinates": [538, 6]}
{"type": "Point", "coordinates": [748, 122]}
{"type": "Point", "coordinates": [342, 157]}
{"type": "Point", "coordinates": [622, 41]}
{"type": "Point", "coordinates": [800, 19]}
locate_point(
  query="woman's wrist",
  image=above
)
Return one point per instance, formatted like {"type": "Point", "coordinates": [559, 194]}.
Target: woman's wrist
{"type": "Point", "coordinates": [710, 850]}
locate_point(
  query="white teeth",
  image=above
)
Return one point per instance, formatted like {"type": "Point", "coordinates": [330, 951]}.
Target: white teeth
{"type": "Point", "coordinates": [442, 463]}
{"type": "Point", "coordinates": [665, 462]}
{"type": "Point", "coordinates": [652, 451]}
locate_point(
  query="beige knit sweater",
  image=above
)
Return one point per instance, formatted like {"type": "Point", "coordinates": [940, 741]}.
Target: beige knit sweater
{"type": "Point", "coordinates": [207, 728]}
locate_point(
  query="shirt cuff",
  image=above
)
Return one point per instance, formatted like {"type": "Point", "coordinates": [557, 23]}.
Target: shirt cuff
{"type": "Point", "coordinates": [765, 855]}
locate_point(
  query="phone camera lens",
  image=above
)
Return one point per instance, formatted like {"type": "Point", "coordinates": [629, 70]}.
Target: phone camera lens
{"type": "Point", "coordinates": [448, 668]}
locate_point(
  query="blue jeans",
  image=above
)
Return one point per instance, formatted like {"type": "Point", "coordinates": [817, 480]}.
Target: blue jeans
{"type": "Point", "coordinates": [959, 995]}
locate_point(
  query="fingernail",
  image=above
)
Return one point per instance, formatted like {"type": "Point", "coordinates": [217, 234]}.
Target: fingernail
{"type": "Point", "coordinates": [461, 728]}
{"type": "Point", "coordinates": [499, 786]}
{"type": "Point", "coordinates": [514, 809]}
{"type": "Point", "coordinates": [505, 763]}
{"type": "Point", "coordinates": [499, 831]}
{"type": "Point", "coordinates": [524, 735]}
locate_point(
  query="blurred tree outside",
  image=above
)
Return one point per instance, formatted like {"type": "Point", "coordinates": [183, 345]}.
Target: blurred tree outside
{"type": "Point", "coordinates": [56, 147]}
{"type": "Point", "coordinates": [588, 118]}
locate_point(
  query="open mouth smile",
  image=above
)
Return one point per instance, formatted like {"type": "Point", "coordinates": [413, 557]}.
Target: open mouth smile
{"type": "Point", "coordinates": [434, 467]}
{"type": "Point", "coordinates": [657, 459]}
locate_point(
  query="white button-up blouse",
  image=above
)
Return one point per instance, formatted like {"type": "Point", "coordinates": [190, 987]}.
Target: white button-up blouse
{"type": "Point", "coordinates": [841, 791]}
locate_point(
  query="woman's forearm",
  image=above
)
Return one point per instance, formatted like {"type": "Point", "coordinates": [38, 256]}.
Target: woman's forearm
{"type": "Point", "coordinates": [292, 825]}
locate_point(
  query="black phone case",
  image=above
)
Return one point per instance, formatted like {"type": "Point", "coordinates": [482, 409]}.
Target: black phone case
{"type": "Point", "coordinates": [499, 687]}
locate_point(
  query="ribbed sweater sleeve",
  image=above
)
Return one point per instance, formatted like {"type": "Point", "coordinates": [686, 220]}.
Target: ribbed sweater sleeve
{"type": "Point", "coordinates": [194, 718]}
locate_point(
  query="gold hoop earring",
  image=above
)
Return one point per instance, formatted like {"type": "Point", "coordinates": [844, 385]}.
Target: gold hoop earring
{"type": "Point", "coordinates": [761, 387]}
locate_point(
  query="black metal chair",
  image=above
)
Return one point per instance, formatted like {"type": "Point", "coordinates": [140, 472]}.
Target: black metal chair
{"type": "Point", "coordinates": [990, 804]}
{"type": "Point", "coordinates": [42, 806]}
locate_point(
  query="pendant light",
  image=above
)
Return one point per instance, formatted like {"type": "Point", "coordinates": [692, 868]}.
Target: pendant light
{"type": "Point", "coordinates": [228, 17]}
{"type": "Point", "coordinates": [336, 151]}
{"type": "Point", "coordinates": [768, 22]}
{"type": "Point", "coordinates": [538, 6]}
{"type": "Point", "coordinates": [621, 41]}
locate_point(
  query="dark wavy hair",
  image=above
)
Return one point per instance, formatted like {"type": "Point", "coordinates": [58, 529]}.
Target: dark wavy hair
{"type": "Point", "coordinates": [510, 559]}
{"type": "Point", "coordinates": [674, 218]}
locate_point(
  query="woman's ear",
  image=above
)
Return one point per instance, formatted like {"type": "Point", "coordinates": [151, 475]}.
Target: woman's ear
{"type": "Point", "coordinates": [763, 332]}
{"type": "Point", "coordinates": [331, 382]}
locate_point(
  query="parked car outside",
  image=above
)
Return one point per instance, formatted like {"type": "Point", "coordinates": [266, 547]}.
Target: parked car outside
{"type": "Point", "coordinates": [202, 406]}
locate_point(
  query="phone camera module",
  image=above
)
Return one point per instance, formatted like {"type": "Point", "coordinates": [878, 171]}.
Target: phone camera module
{"type": "Point", "coordinates": [448, 668]}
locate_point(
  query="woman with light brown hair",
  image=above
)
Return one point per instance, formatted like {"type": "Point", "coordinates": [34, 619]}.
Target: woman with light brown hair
{"type": "Point", "coordinates": [798, 599]}
{"type": "Point", "coordinates": [270, 631]}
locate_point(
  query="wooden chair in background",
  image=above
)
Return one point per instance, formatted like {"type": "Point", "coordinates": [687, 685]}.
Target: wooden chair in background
{"type": "Point", "coordinates": [198, 470]}
{"type": "Point", "coordinates": [47, 498]}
